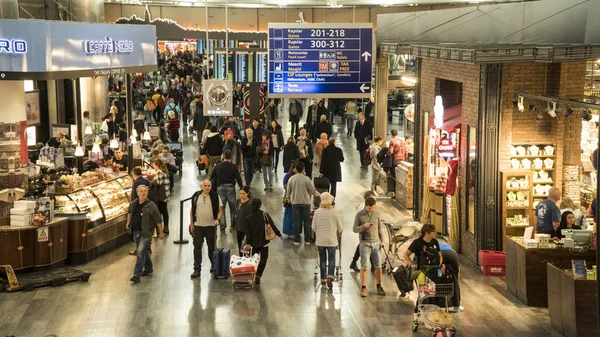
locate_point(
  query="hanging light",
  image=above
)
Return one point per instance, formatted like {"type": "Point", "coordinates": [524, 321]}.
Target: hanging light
{"type": "Point", "coordinates": [133, 140]}
{"type": "Point", "coordinates": [114, 143]}
{"type": "Point", "coordinates": [134, 133]}
{"type": "Point", "coordinates": [520, 104]}
{"type": "Point", "coordinates": [88, 130]}
{"type": "Point", "coordinates": [79, 152]}
{"type": "Point", "coordinates": [552, 109]}
{"type": "Point", "coordinates": [96, 148]}
{"type": "Point", "coordinates": [147, 136]}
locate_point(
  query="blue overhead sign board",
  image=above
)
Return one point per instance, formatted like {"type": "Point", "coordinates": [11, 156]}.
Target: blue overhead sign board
{"type": "Point", "coordinates": [320, 60]}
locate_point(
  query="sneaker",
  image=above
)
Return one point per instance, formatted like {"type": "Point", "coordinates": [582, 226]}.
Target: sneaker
{"type": "Point", "coordinates": [222, 230]}
{"type": "Point", "coordinates": [296, 243]}
{"type": "Point", "coordinates": [134, 279]}
{"type": "Point", "coordinates": [363, 292]}
{"type": "Point", "coordinates": [257, 279]}
{"type": "Point", "coordinates": [133, 252]}
{"type": "Point", "coordinates": [380, 291]}
{"type": "Point", "coordinates": [354, 267]}
{"type": "Point", "coordinates": [147, 272]}
{"type": "Point", "coordinates": [266, 189]}
{"type": "Point", "coordinates": [323, 281]}
{"type": "Point", "coordinates": [457, 309]}
{"type": "Point", "coordinates": [195, 274]}
{"type": "Point", "coordinates": [291, 237]}
{"type": "Point", "coordinates": [330, 283]}
{"type": "Point", "coordinates": [307, 243]}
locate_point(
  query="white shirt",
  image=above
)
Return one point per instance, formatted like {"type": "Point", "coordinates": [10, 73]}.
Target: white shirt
{"type": "Point", "coordinates": [204, 214]}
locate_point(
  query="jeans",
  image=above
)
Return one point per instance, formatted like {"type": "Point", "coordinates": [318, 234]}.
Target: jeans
{"type": "Point", "coordinates": [264, 256]}
{"type": "Point", "coordinates": [201, 233]}
{"type": "Point", "coordinates": [350, 120]}
{"type": "Point", "coordinates": [227, 195]}
{"type": "Point", "coordinates": [142, 245]}
{"type": "Point", "coordinates": [295, 128]}
{"type": "Point", "coordinates": [370, 251]}
{"type": "Point", "coordinates": [212, 160]}
{"type": "Point", "coordinates": [267, 175]}
{"type": "Point", "coordinates": [164, 212]}
{"type": "Point", "coordinates": [301, 220]}
{"type": "Point", "coordinates": [327, 262]}
{"type": "Point", "coordinates": [248, 170]}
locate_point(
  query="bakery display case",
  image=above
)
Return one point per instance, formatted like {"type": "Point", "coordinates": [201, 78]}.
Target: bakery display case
{"type": "Point", "coordinates": [126, 183]}
{"type": "Point", "coordinates": [518, 195]}
{"type": "Point", "coordinates": [64, 205]}
{"type": "Point", "coordinates": [113, 199]}
{"type": "Point", "coordinates": [87, 203]}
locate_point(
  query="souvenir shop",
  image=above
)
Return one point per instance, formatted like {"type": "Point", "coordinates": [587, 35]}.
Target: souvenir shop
{"type": "Point", "coordinates": [50, 212]}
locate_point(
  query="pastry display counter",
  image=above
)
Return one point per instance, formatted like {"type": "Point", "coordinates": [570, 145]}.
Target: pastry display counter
{"type": "Point", "coordinates": [526, 270]}
{"type": "Point", "coordinates": [26, 249]}
{"type": "Point", "coordinates": [572, 303]}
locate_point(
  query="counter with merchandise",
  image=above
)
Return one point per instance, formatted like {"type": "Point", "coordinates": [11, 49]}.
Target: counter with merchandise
{"type": "Point", "coordinates": [526, 269]}
{"type": "Point", "coordinates": [97, 216]}
{"type": "Point", "coordinates": [31, 248]}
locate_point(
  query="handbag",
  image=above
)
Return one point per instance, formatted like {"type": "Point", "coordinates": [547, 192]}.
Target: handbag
{"type": "Point", "coordinates": [267, 160]}
{"type": "Point", "coordinates": [285, 200]}
{"type": "Point", "coordinates": [269, 232]}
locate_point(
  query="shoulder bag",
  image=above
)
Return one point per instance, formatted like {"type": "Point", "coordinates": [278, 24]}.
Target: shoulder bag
{"type": "Point", "coordinates": [269, 232]}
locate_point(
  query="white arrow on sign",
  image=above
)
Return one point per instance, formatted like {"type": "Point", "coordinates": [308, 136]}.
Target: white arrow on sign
{"type": "Point", "coordinates": [366, 55]}
{"type": "Point", "coordinates": [363, 87]}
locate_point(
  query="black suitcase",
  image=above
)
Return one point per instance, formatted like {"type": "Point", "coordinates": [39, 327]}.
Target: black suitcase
{"type": "Point", "coordinates": [221, 258]}
{"type": "Point", "coordinates": [322, 184]}
{"type": "Point", "coordinates": [403, 277]}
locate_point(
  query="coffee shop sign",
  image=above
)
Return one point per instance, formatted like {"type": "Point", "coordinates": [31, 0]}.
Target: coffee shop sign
{"type": "Point", "coordinates": [108, 46]}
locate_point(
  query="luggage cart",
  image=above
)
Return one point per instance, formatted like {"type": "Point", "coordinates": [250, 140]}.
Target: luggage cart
{"type": "Point", "coordinates": [431, 315]}
{"type": "Point", "coordinates": [395, 240]}
{"type": "Point", "coordinates": [245, 278]}
{"type": "Point", "coordinates": [339, 276]}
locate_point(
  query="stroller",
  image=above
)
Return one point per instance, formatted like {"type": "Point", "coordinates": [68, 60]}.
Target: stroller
{"type": "Point", "coordinates": [439, 321]}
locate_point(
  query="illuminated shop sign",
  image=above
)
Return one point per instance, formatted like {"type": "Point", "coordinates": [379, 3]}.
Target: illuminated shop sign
{"type": "Point", "coordinates": [108, 46]}
{"type": "Point", "coordinates": [446, 148]}
{"type": "Point", "coordinates": [13, 46]}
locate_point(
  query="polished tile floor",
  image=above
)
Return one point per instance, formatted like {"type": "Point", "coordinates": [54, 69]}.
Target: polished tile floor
{"type": "Point", "coordinates": [287, 303]}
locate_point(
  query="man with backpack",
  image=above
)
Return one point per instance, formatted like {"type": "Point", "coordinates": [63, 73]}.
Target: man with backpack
{"type": "Point", "coordinates": [172, 107]}
{"type": "Point", "coordinates": [305, 149]}
{"type": "Point", "coordinates": [139, 102]}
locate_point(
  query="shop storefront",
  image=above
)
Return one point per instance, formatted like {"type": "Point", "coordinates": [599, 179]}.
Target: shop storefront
{"type": "Point", "coordinates": [91, 207]}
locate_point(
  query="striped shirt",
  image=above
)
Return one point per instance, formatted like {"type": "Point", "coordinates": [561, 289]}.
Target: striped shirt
{"type": "Point", "coordinates": [326, 224]}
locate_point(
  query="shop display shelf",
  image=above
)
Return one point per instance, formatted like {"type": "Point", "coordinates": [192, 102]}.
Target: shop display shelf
{"type": "Point", "coordinates": [524, 157]}
{"type": "Point", "coordinates": [540, 195]}
{"type": "Point", "coordinates": [517, 189]}
{"type": "Point", "coordinates": [522, 207]}
{"type": "Point", "coordinates": [541, 169]}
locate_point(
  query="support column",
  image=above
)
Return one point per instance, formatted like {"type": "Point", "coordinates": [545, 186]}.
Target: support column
{"type": "Point", "coordinates": [419, 146]}
{"type": "Point", "coordinates": [488, 229]}
{"type": "Point", "coordinates": [381, 94]}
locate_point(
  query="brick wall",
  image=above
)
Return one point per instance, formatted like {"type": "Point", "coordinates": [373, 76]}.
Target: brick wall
{"type": "Point", "coordinates": [565, 80]}
{"type": "Point", "coordinates": [468, 75]}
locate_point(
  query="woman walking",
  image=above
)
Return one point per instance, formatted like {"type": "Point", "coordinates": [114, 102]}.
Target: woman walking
{"type": "Point", "coordinates": [327, 225]}
{"type": "Point", "coordinates": [242, 210]}
{"type": "Point", "coordinates": [161, 190]}
{"type": "Point", "coordinates": [290, 154]}
{"type": "Point", "coordinates": [322, 143]}
{"type": "Point", "coordinates": [277, 138]}
{"type": "Point", "coordinates": [266, 161]}
{"type": "Point", "coordinates": [256, 235]}
{"type": "Point", "coordinates": [288, 215]}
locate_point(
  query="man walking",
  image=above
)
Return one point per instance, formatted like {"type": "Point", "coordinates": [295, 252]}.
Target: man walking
{"type": "Point", "coordinates": [300, 189]}
{"type": "Point", "coordinates": [305, 149]}
{"type": "Point", "coordinates": [368, 224]}
{"type": "Point", "coordinates": [363, 133]}
{"type": "Point", "coordinates": [295, 111]}
{"type": "Point", "coordinates": [397, 148]}
{"type": "Point", "coordinates": [322, 127]}
{"type": "Point", "coordinates": [205, 216]}
{"type": "Point", "coordinates": [143, 217]}
{"type": "Point", "coordinates": [249, 145]}
{"type": "Point", "coordinates": [225, 175]}
{"type": "Point", "coordinates": [331, 165]}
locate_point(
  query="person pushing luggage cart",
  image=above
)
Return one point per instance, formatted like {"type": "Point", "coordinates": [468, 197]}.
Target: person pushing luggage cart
{"type": "Point", "coordinates": [327, 226]}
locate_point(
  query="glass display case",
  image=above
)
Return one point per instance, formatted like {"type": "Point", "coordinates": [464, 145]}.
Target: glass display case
{"type": "Point", "coordinates": [126, 182]}
{"type": "Point", "coordinates": [64, 205]}
{"type": "Point", "coordinates": [112, 198]}
{"type": "Point", "coordinates": [87, 203]}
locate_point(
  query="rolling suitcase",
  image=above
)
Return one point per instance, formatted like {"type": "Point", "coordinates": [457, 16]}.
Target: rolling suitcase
{"type": "Point", "coordinates": [221, 258]}
{"type": "Point", "coordinates": [402, 276]}
{"type": "Point", "coordinates": [322, 184]}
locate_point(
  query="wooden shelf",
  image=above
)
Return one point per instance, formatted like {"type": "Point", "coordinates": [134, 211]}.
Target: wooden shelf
{"type": "Point", "coordinates": [523, 207]}
{"type": "Point", "coordinates": [517, 189]}
{"type": "Point", "coordinates": [540, 196]}
{"type": "Point", "coordinates": [526, 157]}
{"type": "Point", "coordinates": [540, 169]}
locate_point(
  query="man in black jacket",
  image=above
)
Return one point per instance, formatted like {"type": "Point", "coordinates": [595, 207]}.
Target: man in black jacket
{"type": "Point", "coordinates": [312, 116]}
{"type": "Point", "coordinates": [225, 175]}
{"type": "Point", "coordinates": [363, 133]}
{"type": "Point", "coordinates": [249, 145]}
{"type": "Point", "coordinates": [322, 127]}
{"type": "Point", "coordinates": [205, 216]}
{"type": "Point", "coordinates": [230, 124]}
{"type": "Point", "coordinates": [295, 112]}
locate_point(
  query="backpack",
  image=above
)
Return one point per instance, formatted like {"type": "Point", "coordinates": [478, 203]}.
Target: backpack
{"type": "Point", "coordinates": [150, 105]}
{"type": "Point", "coordinates": [367, 158]}
{"type": "Point", "coordinates": [381, 155]}
{"type": "Point", "coordinates": [303, 149]}
{"type": "Point", "coordinates": [161, 102]}
{"type": "Point", "coordinates": [139, 104]}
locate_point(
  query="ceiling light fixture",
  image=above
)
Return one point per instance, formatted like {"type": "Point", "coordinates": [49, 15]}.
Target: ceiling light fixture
{"type": "Point", "coordinates": [283, 4]}
{"type": "Point", "coordinates": [568, 111]}
{"type": "Point", "coordinates": [531, 106]}
{"type": "Point", "coordinates": [96, 148]}
{"type": "Point", "coordinates": [552, 109]}
{"type": "Point", "coordinates": [586, 115]}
